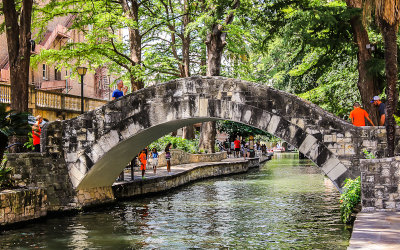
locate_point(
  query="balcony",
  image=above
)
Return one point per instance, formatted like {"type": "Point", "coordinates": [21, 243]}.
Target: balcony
{"type": "Point", "coordinates": [41, 99]}
{"type": "Point", "coordinates": [53, 85]}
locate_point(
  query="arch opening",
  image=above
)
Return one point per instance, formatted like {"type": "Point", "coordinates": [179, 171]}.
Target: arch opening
{"type": "Point", "coordinates": [107, 168]}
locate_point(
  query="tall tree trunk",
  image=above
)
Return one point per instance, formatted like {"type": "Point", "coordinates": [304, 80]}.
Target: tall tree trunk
{"type": "Point", "coordinates": [366, 82]}
{"type": "Point", "coordinates": [136, 47]}
{"type": "Point", "coordinates": [389, 32]}
{"type": "Point", "coordinates": [188, 131]}
{"type": "Point", "coordinates": [216, 41]}
{"type": "Point", "coordinates": [136, 56]}
{"type": "Point", "coordinates": [19, 47]}
{"type": "Point", "coordinates": [135, 41]}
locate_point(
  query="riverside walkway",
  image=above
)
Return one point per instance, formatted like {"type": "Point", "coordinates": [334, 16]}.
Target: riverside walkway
{"type": "Point", "coordinates": [180, 175]}
{"type": "Point", "coordinates": [377, 230]}
{"type": "Point", "coordinates": [175, 169]}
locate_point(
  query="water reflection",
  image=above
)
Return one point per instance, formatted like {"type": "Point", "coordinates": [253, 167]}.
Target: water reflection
{"type": "Point", "coordinates": [286, 204]}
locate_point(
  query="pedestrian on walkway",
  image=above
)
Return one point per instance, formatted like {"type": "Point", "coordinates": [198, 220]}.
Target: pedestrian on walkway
{"type": "Point", "coordinates": [36, 132]}
{"type": "Point", "coordinates": [358, 116]}
{"type": "Point", "coordinates": [245, 150]}
{"type": "Point", "coordinates": [381, 109]}
{"type": "Point", "coordinates": [143, 162]}
{"type": "Point", "coordinates": [154, 159]}
{"type": "Point", "coordinates": [168, 157]}
{"type": "Point", "coordinates": [232, 149]}
{"type": "Point", "coordinates": [237, 147]}
{"type": "Point", "coordinates": [120, 91]}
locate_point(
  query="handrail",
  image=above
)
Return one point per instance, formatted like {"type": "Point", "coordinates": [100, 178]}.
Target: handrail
{"type": "Point", "coordinates": [53, 100]}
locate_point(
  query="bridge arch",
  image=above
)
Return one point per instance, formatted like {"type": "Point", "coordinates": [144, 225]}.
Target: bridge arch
{"type": "Point", "coordinates": [98, 144]}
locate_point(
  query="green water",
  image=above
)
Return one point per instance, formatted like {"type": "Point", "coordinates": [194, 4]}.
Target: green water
{"type": "Point", "coordinates": [287, 203]}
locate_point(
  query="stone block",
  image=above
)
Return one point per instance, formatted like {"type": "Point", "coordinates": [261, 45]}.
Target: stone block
{"type": "Point", "coordinates": [369, 178]}
{"type": "Point", "coordinates": [203, 107]}
{"type": "Point", "coordinates": [71, 157]}
{"type": "Point", "coordinates": [76, 175]}
{"type": "Point", "coordinates": [307, 144]}
{"type": "Point", "coordinates": [314, 152]}
{"type": "Point", "coordinates": [273, 124]}
{"type": "Point", "coordinates": [327, 138]}
{"type": "Point", "coordinates": [385, 172]}
{"type": "Point", "coordinates": [330, 164]}
{"type": "Point", "coordinates": [337, 171]}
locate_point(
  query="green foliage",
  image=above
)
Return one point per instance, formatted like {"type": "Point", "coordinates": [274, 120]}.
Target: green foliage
{"type": "Point", "coordinates": [239, 129]}
{"type": "Point", "coordinates": [29, 143]}
{"type": "Point", "coordinates": [12, 123]}
{"type": "Point", "coordinates": [190, 146]}
{"type": "Point", "coordinates": [368, 155]}
{"type": "Point", "coordinates": [337, 90]}
{"type": "Point", "coordinates": [397, 119]}
{"type": "Point", "coordinates": [350, 198]}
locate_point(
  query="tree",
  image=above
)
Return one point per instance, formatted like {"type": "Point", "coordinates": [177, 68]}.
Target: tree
{"type": "Point", "coordinates": [387, 15]}
{"type": "Point", "coordinates": [215, 42]}
{"type": "Point", "coordinates": [366, 84]}
{"type": "Point", "coordinates": [17, 18]}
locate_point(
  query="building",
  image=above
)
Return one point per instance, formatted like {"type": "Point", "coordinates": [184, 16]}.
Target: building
{"type": "Point", "coordinates": [59, 83]}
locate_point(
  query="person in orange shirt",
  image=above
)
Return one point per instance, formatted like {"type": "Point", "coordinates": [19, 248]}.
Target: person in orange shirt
{"type": "Point", "coordinates": [358, 115]}
{"type": "Point", "coordinates": [143, 162]}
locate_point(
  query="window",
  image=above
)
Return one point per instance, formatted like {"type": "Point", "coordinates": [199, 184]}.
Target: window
{"type": "Point", "coordinates": [57, 74]}
{"type": "Point", "coordinates": [44, 74]}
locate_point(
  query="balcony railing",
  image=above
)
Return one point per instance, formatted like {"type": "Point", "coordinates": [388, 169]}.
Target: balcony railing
{"type": "Point", "coordinates": [52, 85]}
{"type": "Point", "coordinates": [53, 100]}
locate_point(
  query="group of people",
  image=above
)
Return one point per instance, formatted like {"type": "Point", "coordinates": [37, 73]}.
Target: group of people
{"type": "Point", "coordinates": [358, 115]}
{"type": "Point", "coordinates": [152, 158]}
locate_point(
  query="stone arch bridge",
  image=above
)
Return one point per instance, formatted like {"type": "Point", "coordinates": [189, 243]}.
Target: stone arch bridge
{"type": "Point", "coordinates": [97, 145]}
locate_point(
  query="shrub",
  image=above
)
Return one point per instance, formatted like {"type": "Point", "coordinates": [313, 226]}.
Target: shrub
{"type": "Point", "coordinates": [190, 146]}
{"type": "Point", "coordinates": [368, 155]}
{"type": "Point", "coordinates": [350, 198]}
{"type": "Point", "coordinates": [29, 143]}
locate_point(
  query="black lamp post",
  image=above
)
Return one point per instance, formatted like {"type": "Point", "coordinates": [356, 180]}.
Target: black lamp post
{"type": "Point", "coordinates": [82, 73]}
{"type": "Point", "coordinates": [109, 89]}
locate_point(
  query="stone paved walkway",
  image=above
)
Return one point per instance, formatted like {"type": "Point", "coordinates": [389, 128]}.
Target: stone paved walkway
{"type": "Point", "coordinates": [162, 171]}
{"type": "Point", "coordinates": [378, 230]}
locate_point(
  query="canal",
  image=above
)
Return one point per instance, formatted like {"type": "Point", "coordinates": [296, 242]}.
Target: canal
{"type": "Point", "coordinates": [287, 203]}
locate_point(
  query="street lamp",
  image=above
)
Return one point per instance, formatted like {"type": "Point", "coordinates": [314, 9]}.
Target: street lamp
{"type": "Point", "coordinates": [82, 73]}
{"type": "Point", "coordinates": [109, 89]}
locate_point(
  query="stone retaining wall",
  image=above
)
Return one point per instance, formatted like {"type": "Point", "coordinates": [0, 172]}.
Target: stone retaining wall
{"type": "Point", "coordinates": [380, 182]}
{"type": "Point", "coordinates": [49, 172]}
{"type": "Point", "coordinates": [22, 204]}
{"type": "Point", "coordinates": [181, 157]}
{"type": "Point", "coordinates": [131, 189]}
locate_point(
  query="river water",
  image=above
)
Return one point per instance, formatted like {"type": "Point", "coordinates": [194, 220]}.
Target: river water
{"type": "Point", "coordinates": [287, 203]}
